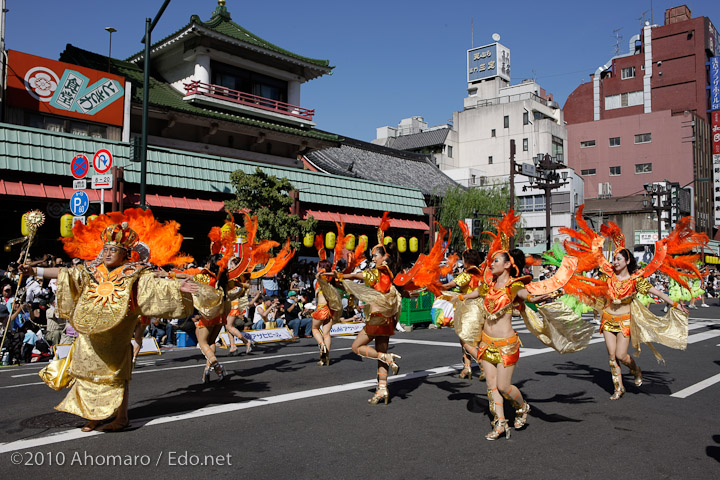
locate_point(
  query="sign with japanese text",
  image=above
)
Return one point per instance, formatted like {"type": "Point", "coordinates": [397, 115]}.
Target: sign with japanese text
{"type": "Point", "coordinates": [49, 86]}
{"type": "Point", "coordinates": [487, 62]}
{"type": "Point", "coordinates": [350, 328]}
{"type": "Point", "coordinates": [715, 83]}
{"type": "Point", "coordinates": [715, 125]}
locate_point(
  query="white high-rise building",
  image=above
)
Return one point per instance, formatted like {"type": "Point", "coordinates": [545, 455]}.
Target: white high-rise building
{"type": "Point", "coordinates": [475, 149]}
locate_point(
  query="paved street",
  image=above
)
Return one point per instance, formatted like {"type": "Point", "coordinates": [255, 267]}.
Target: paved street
{"type": "Point", "coordinates": [279, 416]}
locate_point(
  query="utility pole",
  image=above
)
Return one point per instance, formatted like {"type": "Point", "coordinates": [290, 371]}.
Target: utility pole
{"type": "Point", "coordinates": [513, 167]}
{"type": "Point", "coordinates": [548, 179]}
{"type": "Point", "coordinates": [660, 202]}
{"type": "Point", "coordinates": [149, 26]}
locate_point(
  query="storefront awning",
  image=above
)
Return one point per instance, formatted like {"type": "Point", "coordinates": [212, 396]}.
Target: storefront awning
{"type": "Point", "coordinates": [352, 219]}
{"type": "Point", "coordinates": [22, 189]}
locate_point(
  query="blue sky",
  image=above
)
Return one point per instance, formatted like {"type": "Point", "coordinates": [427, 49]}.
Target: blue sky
{"type": "Point", "coordinates": [393, 59]}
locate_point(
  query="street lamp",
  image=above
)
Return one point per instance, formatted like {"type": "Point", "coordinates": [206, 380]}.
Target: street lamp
{"type": "Point", "coordinates": [548, 179]}
{"type": "Point", "coordinates": [660, 204]}
{"type": "Point", "coordinates": [110, 30]}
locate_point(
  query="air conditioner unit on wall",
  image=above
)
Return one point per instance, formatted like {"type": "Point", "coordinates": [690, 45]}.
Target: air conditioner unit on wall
{"type": "Point", "coordinates": [604, 190]}
{"type": "Point", "coordinates": [528, 237]}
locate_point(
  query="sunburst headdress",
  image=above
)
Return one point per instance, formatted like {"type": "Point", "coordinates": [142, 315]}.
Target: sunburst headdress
{"type": "Point", "coordinates": [151, 240]}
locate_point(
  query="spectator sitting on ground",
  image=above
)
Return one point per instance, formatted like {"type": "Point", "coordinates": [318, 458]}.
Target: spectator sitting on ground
{"type": "Point", "coordinates": [264, 312]}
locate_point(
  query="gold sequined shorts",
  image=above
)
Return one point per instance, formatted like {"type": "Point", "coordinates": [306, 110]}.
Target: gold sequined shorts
{"type": "Point", "coordinates": [499, 350]}
{"type": "Point", "coordinates": [615, 323]}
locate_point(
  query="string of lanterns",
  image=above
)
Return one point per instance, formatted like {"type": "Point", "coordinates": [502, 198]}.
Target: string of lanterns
{"type": "Point", "coordinates": [403, 244]}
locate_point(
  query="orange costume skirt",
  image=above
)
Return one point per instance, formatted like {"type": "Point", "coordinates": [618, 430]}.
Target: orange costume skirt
{"type": "Point", "coordinates": [497, 350]}
{"type": "Point", "coordinates": [210, 322]}
{"type": "Point", "coordinates": [322, 313]}
{"type": "Point", "coordinates": [615, 323]}
{"type": "Point", "coordinates": [380, 326]}
{"type": "Point", "coordinates": [235, 309]}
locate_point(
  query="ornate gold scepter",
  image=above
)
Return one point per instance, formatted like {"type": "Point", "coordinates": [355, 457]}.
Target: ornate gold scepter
{"type": "Point", "coordinates": [34, 219]}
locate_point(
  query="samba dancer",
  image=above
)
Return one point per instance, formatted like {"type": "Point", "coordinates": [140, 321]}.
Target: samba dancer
{"type": "Point", "coordinates": [624, 319]}
{"type": "Point", "coordinates": [103, 298]}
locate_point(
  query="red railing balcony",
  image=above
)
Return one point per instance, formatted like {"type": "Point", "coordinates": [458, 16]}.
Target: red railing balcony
{"type": "Point", "coordinates": [247, 99]}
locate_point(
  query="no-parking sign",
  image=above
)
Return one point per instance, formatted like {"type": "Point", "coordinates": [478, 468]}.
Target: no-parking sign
{"type": "Point", "coordinates": [102, 161]}
{"type": "Point", "coordinates": [79, 166]}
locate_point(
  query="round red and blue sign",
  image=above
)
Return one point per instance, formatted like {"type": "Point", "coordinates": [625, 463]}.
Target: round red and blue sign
{"type": "Point", "coordinates": [79, 166]}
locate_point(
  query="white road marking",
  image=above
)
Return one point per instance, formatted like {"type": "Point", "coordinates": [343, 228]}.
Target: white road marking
{"type": "Point", "coordinates": [686, 392]}
{"type": "Point", "coordinates": [76, 434]}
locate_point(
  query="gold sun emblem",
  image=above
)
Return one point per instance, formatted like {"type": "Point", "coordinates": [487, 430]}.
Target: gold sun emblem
{"type": "Point", "coordinates": [104, 292]}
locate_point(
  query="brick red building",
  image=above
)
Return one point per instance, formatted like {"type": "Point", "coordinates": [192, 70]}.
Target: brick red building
{"type": "Point", "coordinates": [644, 117]}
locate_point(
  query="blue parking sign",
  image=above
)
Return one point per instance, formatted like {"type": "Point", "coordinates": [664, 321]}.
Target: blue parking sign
{"type": "Point", "coordinates": [79, 203]}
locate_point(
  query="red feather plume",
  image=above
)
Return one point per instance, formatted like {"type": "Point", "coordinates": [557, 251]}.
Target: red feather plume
{"type": "Point", "coordinates": [466, 234]}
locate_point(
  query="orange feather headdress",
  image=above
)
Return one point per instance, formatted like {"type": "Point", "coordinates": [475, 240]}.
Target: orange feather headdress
{"type": "Point", "coordinates": [467, 237]}
{"type": "Point", "coordinates": [382, 228]}
{"type": "Point", "coordinates": [161, 238]}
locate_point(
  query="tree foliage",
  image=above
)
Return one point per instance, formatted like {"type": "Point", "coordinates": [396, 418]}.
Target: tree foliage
{"type": "Point", "coordinates": [268, 197]}
{"type": "Point", "coordinates": [460, 203]}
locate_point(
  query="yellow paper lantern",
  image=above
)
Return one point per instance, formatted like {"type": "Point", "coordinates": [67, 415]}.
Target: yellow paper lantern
{"type": "Point", "coordinates": [24, 226]}
{"type": "Point", "coordinates": [413, 244]}
{"type": "Point", "coordinates": [401, 244]}
{"type": "Point", "coordinates": [91, 218]}
{"type": "Point", "coordinates": [350, 241]}
{"type": "Point", "coordinates": [309, 240]}
{"type": "Point", "coordinates": [330, 238]}
{"type": "Point", "coordinates": [226, 228]}
{"type": "Point", "coordinates": [387, 240]}
{"type": "Point", "coordinates": [364, 238]}
{"type": "Point", "coordinates": [66, 225]}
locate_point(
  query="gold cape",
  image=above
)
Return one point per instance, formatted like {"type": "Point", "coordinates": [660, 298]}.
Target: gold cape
{"type": "Point", "coordinates": [101, 364]}
{"type": "Point", "coordinates": [670, 330]}
{"type": "Point", "coordinates": [469, 320]}
{"type": "Point", "coordinates": [558, 326]}
{"type": "Point", "coordinates": [333, 298]}
{"type": "Point", "coordinates": [388, 304]}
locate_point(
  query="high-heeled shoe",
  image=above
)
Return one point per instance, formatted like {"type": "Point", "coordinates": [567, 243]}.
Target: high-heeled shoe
{"type": "Point", "coordinates": [206, 375]}
{"type": "Point", "coordinates": [501, 426]}
{"type": "Point", "coordinates": [389, 360]}
{"type": "Point", "coordinates": [248, 345]}
{"type": "Point", "coordinates": [637, 373]}
{"type": "Point", "coordinates": [324, 360]}
{"type": "Point", "coordinates": [381, 394]}
{"type": "Point", "coordinates": [219, 370]}
{"type": "Point", "coordinates": [617, 395]}
{"type": "Point", "coordinates": [466, 373]}
{"type": "Point", "coordinates": [521, 415]}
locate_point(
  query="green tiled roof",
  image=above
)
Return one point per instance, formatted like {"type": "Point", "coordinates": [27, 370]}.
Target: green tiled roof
{"type": "Point", "coordinates": [221, 23]}
{"type": "Point", "coordinates": [163, 95]}
{"type": "Point", "coordinates": [39, 151]}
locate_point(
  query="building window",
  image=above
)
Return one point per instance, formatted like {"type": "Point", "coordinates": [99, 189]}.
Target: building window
{"type": "Point", "coordinates": [449, 151]}
{"type": "Point", "coordinates": [614, 171]}
{"type": "Point", "coordinates": [560, 202]}
{"type": "Point", "coordinates": [246, 81]}
{"type": "Point", "coordinates": [490, 160]}
{"type": "Point", "coordinates": [506, 121]}
{"type": "Point", "coordinates": [557, 149]}
{"type": "Point", "coordinates": [472, 180]}
{"type": "Point", "coordinates": [526, 118]}
{"type": "Point", "coordinates": [589, 171]}
{"type": "Point", "coordinates": [614, 141]}
{"type": "Point", "coordinates": [643, 168]}
{"type": "Point", "coordinates": [492, 132]}
{"type": "Point", "coordinates": [587, 144]}
{"type": "Point", "coordinates": [525, 144]}
{"type": "Point", "coordinates": [628, 72]}
{"type": "Point", "coordinates": [531, 203]}
{"type": "Point", "coordinates": [621, 100]}
{"type": "Point", "coordinates": [643, 138]}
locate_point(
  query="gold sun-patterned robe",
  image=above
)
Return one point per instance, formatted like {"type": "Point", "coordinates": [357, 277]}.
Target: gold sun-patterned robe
{"type": "Point", "coordinates": [103, 307]}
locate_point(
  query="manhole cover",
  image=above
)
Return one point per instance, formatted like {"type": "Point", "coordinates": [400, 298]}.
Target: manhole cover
{"type": "Point", "coordinates": [53, 420]}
